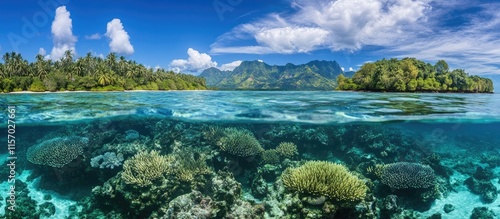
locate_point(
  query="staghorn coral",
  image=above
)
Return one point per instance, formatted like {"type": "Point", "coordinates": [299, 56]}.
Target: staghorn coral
{"type": "Point", "coordinates": [270, 157]}
{"type": "Point", "coordinates": [240, 142]}
{"type": "Point", "coordinates": [287, 149]}
{"type": "Point", "coordinates": [324, 178]}
{"type": "Point", "coordinates": [57, 152]}
{"type": "Point", "coordinates": [402, 175]}
{"type": "Point", "coordinates": [189, 166]}
{"type": "Point", "coordinates": [212, 133]}
{"type": "Point", "coordinates": [145, 167]}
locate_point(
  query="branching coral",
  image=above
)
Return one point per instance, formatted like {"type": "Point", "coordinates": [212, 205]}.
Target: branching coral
{"type": "Point", "coordinates": [325, 179]}
{"type": "Point", "coordinates": [404, 175]}
{"type": "Point", "coordinates": [57, 152]}
{"type": "Point", "coordinates": [240, 142]}
{"type": "Point", "coordinates": [145, 167]}
{"type": "Point", "coordinates": [270, 157]}
{"type": "Point", "coordinates": [287, 149]}
{"type": "Point", "coordinates": [188, 167]}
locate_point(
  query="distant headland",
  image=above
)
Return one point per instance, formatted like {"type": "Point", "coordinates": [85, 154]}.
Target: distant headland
{"type": "Point", "coordinates": [412, 75]}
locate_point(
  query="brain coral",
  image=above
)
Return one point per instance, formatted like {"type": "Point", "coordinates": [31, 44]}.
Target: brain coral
{"type": "Point", "coordinates": [57, 152]}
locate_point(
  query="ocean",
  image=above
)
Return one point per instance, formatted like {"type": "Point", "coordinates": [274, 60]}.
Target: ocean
{"type": "Point", "coordinates": [249, 154]}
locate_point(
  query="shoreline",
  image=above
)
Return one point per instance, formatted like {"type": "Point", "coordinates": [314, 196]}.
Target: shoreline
{"type": "Point", "coordinates": [85, 91]}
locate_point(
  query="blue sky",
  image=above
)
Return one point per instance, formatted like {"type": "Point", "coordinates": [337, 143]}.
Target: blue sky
{"type": "Point", "coordinates": [193, 35]}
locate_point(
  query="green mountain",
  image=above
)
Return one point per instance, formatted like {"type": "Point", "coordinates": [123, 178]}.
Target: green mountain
{"type": "Point", "coordinates": [257, 75]}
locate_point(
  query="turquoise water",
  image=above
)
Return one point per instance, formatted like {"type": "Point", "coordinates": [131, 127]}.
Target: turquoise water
{"type": "Point", "coordinates": [227, 144]}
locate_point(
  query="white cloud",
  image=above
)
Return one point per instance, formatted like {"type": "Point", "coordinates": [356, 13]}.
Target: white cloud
{"type": "Point", "coordinates": [42, 51]}
{"type": "Point", "coordinates": [120, 40]}
{"type": "Point", "coordinates": [289, 40]}
{"type": "Point", "coordinates": [336, 25]}
{"type": "Point", "coordinates": [351, 69]}
{"type": "Point", "coordinates": [94, 36]}
{"type": "Point", "coordinates": [342, 68]}
{"type": "Point", "coordinates": [62, 34]}
{"type": "Point", "coordinates": [474, 47]}
{"type": "Point", "coordinates": [230, 66]}
{"type": "Point", "coordinates": [241, 50]}
{"type": "Point", "coordinates": [196, 62]}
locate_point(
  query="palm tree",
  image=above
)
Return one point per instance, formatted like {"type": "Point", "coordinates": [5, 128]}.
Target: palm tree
{"type": "Point", "coordinates": [111, 60]}
{"type": "Point", "coordinates": [41, 67]}
{"type": "Point", "coordinates": [122, 66]}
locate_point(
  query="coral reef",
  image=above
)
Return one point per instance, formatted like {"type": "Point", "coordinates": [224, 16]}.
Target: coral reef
{"type": "Point", "coordinates": [403, 175]}
{"type": "Point", "coordinates": [131, 135]}
{"type": "Point", "coordinates": [190, 205]}
{"type": "Point", "coordinates": [327, 179]}
{"type": "Point", "coordinates": [240, 142]}
{"type": "Point", "coordinates": [287, 149]}
{"type": "Point", "coordinates": [145, 167]}
{"type": "Point", "coordinates": [57, 152]}
{"type": "Point", "coordinates": [270, 157]}
{"type": "Point", "coordinates": [187, 167]}
{"type": "Point", "coordinates": [107, 160]}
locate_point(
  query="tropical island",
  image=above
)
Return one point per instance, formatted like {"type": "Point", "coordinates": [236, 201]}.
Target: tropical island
{"type": "Point", "coordinates": [112, 73]}
{"type": "Point", "coordinates": [88, 73]}
{"type": "Point", "coordinates": [412, 75]}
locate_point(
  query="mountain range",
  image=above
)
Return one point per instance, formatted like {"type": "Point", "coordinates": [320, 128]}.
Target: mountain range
{"type": "Point", "coordinates": [257, 75]}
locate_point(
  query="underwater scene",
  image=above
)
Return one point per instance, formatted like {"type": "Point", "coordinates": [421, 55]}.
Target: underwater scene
{"type": "Point", "coordinates": [250, 154]}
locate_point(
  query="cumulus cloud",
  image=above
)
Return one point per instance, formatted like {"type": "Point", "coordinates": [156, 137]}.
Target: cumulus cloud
{"type": "Point", "coordinates": [400, 28]}
{"type": "Point", "coordinates": [42, 51]}
{"type": "Point", "coordinates": [351, 69]}
{"type": "Point", "coordinates": [119, 38]}
{"type": "Point", "coordinates": [230, 66]}
{"type": "Point", "coordinates": [195, 63]}
{"type": "Point", "coordinates": [474, 47]}
{"type": "Point", "coordinates": [336, 25]}
{"type": "Point", "coordinates": [292, 39]}
{"type": "Point", "coordinates": [94, 36]}
{"type": "Point", "coordinates": [62, 34]}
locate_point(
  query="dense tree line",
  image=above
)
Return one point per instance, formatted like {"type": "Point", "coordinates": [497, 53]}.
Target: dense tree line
{"type": "Point", "coordinates": [88, 73]}
{"type": "Point", "coordinates": [412, 75]}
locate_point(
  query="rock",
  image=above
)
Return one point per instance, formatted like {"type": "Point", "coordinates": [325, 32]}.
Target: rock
{"type": "Point", "coordinates": [484, 173]}
{"type": "Point", "coordinates": [191, 205]}
{"type": "Point", "coordinates": [485, 188]}
{"type": "Point", "coordinates": [390, 203]}
{"type": "Point", "coordinates": [448, 208]}
{"type": "Point", "coordinates": [482, 213]}
{"type": "Point", "coordinates": [46, 209]}
{"type": "Point", "coordinates": [435, 216]}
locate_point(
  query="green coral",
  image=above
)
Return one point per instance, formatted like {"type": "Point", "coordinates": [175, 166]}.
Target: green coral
{"type": "Point", "coordinates": [240, 142]}
{"type": "Point", "coordinates": [325, 179]}
{"type": "Point", "coordinates": [402, 175]}
{"type": "Point", "coordinates": [57, 152]}
{"type": "Point", "coordinates": [270, 157]}
{"type": "Point", "coordinates": [188, 167]}
{"type": "Point", "coordinates": [287, 149]}
{"type": "Point", "coordinates": [145, 167]}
